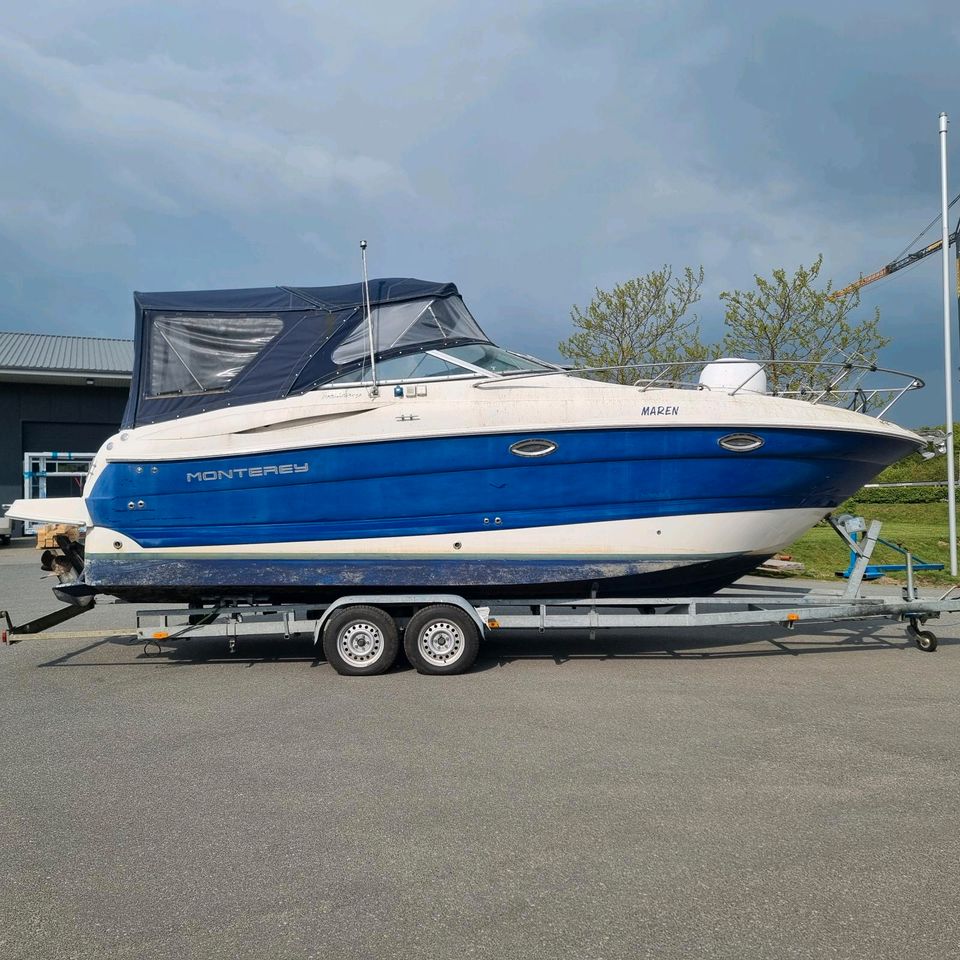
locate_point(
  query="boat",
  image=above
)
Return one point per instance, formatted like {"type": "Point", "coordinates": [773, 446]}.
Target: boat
{"type": "Point", "coordinates": [300, 443]}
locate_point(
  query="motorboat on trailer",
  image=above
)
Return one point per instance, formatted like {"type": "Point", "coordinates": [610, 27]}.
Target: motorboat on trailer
{"type": "Point", "coordinates": [295, 443]}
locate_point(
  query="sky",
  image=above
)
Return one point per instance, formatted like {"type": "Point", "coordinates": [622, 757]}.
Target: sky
{"type": "Point", "coordinates": [529, 152]}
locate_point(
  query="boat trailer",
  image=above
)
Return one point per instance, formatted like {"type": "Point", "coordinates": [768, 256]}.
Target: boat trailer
{"type": "Point", "coordinates": [442, 632]}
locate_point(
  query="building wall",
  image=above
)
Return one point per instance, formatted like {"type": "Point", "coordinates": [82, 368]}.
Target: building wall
{"type": "Point", "coordinates": [37, 417]}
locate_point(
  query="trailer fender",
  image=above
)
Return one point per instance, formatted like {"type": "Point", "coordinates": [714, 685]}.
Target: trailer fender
{"type": "Point", "coordinates": [478, 615]}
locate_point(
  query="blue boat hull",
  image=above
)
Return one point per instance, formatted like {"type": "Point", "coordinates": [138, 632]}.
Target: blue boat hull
{"type": "Point", "coordinates": [374, 492]}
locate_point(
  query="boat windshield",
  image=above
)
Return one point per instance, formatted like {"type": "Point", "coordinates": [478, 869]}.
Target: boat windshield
{"type": "Point", "coordinates": [494, 359]}
{"type": "Point", "coordinates": [466, 360]}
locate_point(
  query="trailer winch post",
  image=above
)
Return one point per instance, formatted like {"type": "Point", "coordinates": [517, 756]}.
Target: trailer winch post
{"type": "Point", "coordinates": [845, 527]}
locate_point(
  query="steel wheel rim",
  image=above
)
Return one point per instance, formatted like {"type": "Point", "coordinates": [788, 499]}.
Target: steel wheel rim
{"type": "Point", "coordinates": [361, 643]}
{"type": "Point", "coordinates": [441, 643]}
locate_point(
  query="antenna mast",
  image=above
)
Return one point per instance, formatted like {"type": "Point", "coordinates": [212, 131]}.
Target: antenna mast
{"type": "Point", "coordinates": [374, 391]}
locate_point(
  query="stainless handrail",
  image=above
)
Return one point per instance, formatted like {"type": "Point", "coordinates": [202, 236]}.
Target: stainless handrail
{"type": "Point", "coordinates": [811, 393]}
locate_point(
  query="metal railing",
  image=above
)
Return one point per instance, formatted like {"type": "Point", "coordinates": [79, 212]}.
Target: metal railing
{"type": "Point", "coordinates": [834, 382]}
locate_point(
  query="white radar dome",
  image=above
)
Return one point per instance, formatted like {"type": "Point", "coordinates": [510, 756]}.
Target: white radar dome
{"type": "Point", "coordinates": [729, 373]}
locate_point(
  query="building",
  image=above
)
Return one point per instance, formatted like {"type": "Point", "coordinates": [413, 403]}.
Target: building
{"type": "Point", "coordinates": [57, 394]}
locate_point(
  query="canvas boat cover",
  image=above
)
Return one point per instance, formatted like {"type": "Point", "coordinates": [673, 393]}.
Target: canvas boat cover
{"type": "Point", "coordinates": [203, 350]}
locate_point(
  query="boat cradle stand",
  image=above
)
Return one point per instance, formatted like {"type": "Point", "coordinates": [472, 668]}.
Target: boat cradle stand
{"type": "Point", "coordinates": [442, 631]}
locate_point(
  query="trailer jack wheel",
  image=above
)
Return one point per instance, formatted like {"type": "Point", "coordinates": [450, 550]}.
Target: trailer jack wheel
{"type": "Point", "coordinates": [926, 640]}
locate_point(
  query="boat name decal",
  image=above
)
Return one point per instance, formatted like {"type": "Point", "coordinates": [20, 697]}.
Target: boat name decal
{"type": "Point", "coordinates": [271, 470]}
{"type": "Point", "coordinates": [660, 411]}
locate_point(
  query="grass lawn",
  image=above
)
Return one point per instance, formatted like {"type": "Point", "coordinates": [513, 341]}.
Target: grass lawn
{"type": "Point", "coordinates": [920, 526]}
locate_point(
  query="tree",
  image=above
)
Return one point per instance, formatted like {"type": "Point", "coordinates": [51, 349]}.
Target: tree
{"type": "Point", "coordinates": [644, 320]}
{"type": "Point", "coordinates": [790, 319]}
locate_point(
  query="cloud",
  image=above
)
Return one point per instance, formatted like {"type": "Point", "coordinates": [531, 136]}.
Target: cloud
{"type": "Point", "coordinates": [155, 131]}
{"type": "Point", "coordinates": [529, 152]}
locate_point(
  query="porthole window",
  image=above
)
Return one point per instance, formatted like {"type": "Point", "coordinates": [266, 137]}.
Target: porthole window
{"type": "Point", "coordinates": [740, 442]}
{"type": "Point", "coordinates": [533, 447]}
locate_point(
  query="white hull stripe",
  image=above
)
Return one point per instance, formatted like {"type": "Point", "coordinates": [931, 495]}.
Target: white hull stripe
{"type": "Point", "coordinates": [692, 536]}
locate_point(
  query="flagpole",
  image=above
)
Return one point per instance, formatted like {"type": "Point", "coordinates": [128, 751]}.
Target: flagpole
{"type": "Point", "coordinates": [947, 339]}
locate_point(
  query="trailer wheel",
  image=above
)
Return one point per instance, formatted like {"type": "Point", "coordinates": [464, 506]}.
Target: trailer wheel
{"type": "Point", "coordinates": [360, 641]}
{"type": "Point", "coordinates": [441, 640]}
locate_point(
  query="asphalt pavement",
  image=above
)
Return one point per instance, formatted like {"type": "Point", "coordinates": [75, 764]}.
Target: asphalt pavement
{"type": "Point", "coordinates": [726, 793]}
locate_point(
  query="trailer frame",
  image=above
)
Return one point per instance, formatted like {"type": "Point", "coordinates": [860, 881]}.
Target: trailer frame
{"type": "Point", "coordinates": [385, 616]}
{"type": "Point", "coordinates": [235, 621]}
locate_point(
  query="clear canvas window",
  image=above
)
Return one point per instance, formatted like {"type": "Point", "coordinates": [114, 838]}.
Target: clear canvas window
{"type": "Point", "coordinates": [202, 354]}
{"type": "Point", "coordinates": [407, 324]}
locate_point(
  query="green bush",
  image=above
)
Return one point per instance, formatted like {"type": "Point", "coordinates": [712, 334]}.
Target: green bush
{"type": "Point", "coordinates": [902, 495]}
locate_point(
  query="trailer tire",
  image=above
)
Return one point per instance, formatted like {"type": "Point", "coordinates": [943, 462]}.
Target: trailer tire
{"type": "Point", "coordinates": [441, 639]}
{"type": "Point", "coordinates": [360, 641]}
{"type": "Point", "coordinates": [925, 640]}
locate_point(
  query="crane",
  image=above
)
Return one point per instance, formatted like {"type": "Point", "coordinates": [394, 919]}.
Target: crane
{"type": "Point", "coordinates": [899, 264]}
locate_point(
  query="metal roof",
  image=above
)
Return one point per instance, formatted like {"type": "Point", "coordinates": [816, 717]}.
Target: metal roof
{"type": "Point", "coordinates": [47, 353]}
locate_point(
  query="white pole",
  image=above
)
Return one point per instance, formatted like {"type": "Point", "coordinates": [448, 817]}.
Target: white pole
{"type": "Point", "coordinates": [947, 360]}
